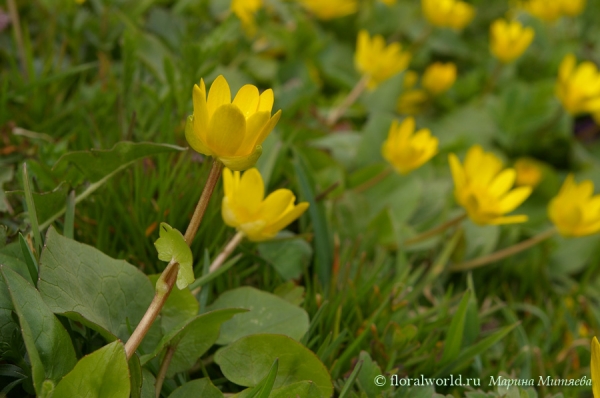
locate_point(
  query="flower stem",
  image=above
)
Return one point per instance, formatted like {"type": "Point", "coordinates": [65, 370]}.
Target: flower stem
{"type": "Point", "coordinates": [501, 254]}
{"type": "Point", "coordinates": [373, 181]}
{"type": "Point", "coordinates": [167, 280]}
{"type": "Point", "coordinates": [164, 286]}
{"type": "Point", "coordinates": [336, 113]}
{"type": "Point", "coordinates": [434, 231]}
{"type": "Point", "coordinates": [220, 259]}
{"type": "Point", "coordinates": [229, 248]}
{"type": "Point", "coordinates": [209, 187]}
{"type": "Point", "coordinates": [164, 366]}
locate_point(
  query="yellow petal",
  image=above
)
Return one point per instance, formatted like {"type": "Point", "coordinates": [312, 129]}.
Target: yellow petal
{"type": "Point", "coordinates": [228, 213]}
{"type": "Point", "coordinates": [458, 174]}
{"type": "Point", "coordinates": [514, 198]}
{"type": "Point", "coordinates": [287, 218]}
{"type": "Point", "coordinates": [218, 95]}
{"type": "Point", "coordinates": [509, 220]}
{"type": "Point", "coordinates": [254, 127]}
{"type": "Point", "coordinates": [503, 182]}
{"type": "Point", "coordinates": [228, 183]}
{"type": "Point", "coordinates": [268, 128]}
{"type": "Point", "coordinates": [200, 109]}
{"type": "Point", "coordinates": [247, 100]}
{"type": "Point", "coordinates": [193, 137]}
{"type": "Point", "coordinates": [266, 100]}
{"type": "Point", "coordinates": [252, 190]}
{"type": "Point", "coordinates": [226, 130]}
{"type": "Point", "coordinates": [275, 205]}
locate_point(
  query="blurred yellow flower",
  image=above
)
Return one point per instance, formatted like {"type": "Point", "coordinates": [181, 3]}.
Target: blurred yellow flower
{"type": "Point", "coordinates": [245, 10]}
{"type": "Point", "coordinates": [378, 61]}
{"type": "Point", "coordinates": [245, 208]}
{"type": "Point", "coordinates": [595, 367]}
{"type": "Point", "coordinates": [407, 150]}
{"type": "Point", "coordinates": [546, 10]}
{"type": "Point", "coordinates": [439, 77]}
{"type": "Point", "coordinates": [529, 172]}
{"type": "Point", "coordinates": [453, 14]}
{"type": "Point", "coordinates": [330, 9]}
{"type": "Point", "coordinates": [509, 39]}
{"type": "Point", "coordinates": [574, 211]}
{"type": "Point", "coordinates": [483, 188]}
{"type": "Point", "coordinates": [411, 102]}
{"type": "Point", "coordinates": [572, 8]}
{"type": "Point", "coordinates": [230, 131]}
{"type": "Point", "coordinates": [578, 88]}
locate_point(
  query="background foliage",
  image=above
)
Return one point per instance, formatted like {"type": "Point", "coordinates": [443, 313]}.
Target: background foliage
{"type": "Point", "coordinates": [353, 300]}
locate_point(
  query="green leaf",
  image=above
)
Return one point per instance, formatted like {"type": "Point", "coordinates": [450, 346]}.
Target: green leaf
{"type": "Point", "coordinates": [179, 307]}
{"type": "Point", "coordinates": [96, 164]}
{"type": "Point", "coordinates": [289, 257]}
{"type": "Point", "coordinates": [454, 337]}
{"type": "Point", "coordinates": [172, 246]}
{"type": "Point", "coordinates": [350, 380]}
{"type": "Point", "coordinates": [197, 388]}
{"type": "Point", "coordinates": [267, 314]}
{"type": "Point", "coordinates": [48, 344]}
{"type": "Point", "coordinates": [137, 379]}
{"type": "Point", "coordinates": [102, 374]}
{"type": "Point", "coordinates": [86, 285]}
{"type": "Point", "coordinates": [33, 219]}
{"type": "Point", "coordinates": [247, 360]}
{"type": "Point", "coordinates": [467, 355]}
{"type": "Point", "coordinates": [30, 260]}
{"type": "Point", "coordinates": [304, 389]}
{"type": "Point", "coordinates": [367, 374]}
{"type": "Point", "coordinates": [148, 383]}
{"type": "Point", "coordinates": [264, 388]}
{"type": "Point", "coordinates": [10, 257]}
{"type": "Point", "coordinates": [316, 211]}
{"type": "Point", "coordinates": [192, 339]}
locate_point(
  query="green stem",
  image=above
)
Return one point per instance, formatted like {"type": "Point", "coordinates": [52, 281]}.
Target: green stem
{"type": "Point", "coordinates": [220, 259]}
{"type": "Point", "coordinates": [434, 231]}
{"type": "Point", "coordinates": [164, 366]}
{"type": "Point", "coordinates": [338, 112]}
{"type": "Point", "coordinates": [167, 280]}
{"type": "Point", "coordinates": [373, 181]}
{"type": "Point", "coordinates": [211, 182]}
{"type": "Point", "coordinates": [502, 254]}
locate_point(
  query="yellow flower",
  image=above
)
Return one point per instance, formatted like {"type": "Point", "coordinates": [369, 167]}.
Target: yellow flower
{"type": "Point", "coordinates": [330, 9]}
{"type": "Point", "coordinates": [572, 8]}
{"type": "Point", "coordinates": [484, 189]}
{"type": "Point", "coordinates": [411, 102]}
{"type": "Point", "coordinates": [245, 10]}
{"type": "Point", "coordinates": [378, 61]}
{"type": "Point", "coordinates": [407, 150]}
{"type": "Point", "coordinates": [230, 131]}
{"type": "Point", "coordinates": [574, 211]}
{"type": "Point", "coordinates": [578, 88]}
{"type": "Point", "coordinates": [453, 14]}
{"type": "Point", "coordinates": [439, 77]}
{"type": "Point", "coordinates": [245, 208]}
{"type": "Point", "coordinates": [529, 172]}
{"type": "Point", "coordinates": [546, 10]}
{"type": "Point", "coordinates": [508, 40]}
